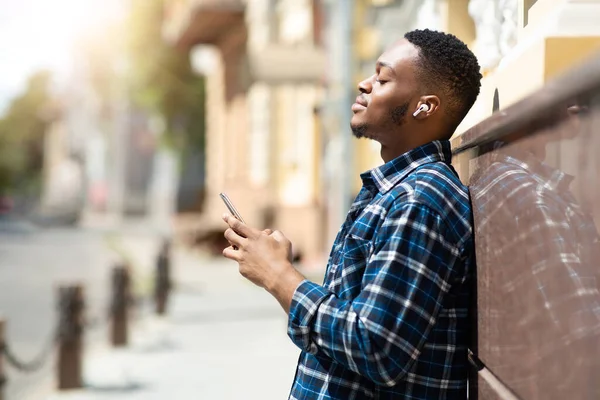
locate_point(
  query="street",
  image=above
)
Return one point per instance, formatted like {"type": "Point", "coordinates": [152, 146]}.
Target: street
{"type": "Point", "coordinates": [222, 338]}
{"type": "Point", "coordinates": [32, 265]}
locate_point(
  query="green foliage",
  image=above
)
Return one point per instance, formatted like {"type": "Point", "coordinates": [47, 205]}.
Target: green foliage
{"type": "Point", "coordinates": [22, 137]}
{"type": "Point", "coordinates": [133, 59]}
{"type": "Point", "coordinates": [161, 78]}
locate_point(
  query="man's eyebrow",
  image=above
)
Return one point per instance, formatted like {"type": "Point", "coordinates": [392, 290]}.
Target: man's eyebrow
{"type": "Point", "coordinates": [381, 64]}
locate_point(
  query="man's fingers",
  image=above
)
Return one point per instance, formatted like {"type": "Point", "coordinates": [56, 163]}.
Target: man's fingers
{"type": "Point", "coordinates": [239, 227]}
{"type": "Point", "coordinates": [268, 231]}
{"type": "Point", "coordinates": [232, 254]}
{"type": "Point", "coordinates": [281, 239]}
{"type": "Point", "coordinates": [234, 239]}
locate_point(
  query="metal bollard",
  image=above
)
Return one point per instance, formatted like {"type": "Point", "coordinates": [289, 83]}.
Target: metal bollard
{"type": "Point", "coordinates": [119, 307]}
{"type": "Point", "coordinates": [162, 284]}
{"type": "Point", "coordinates": [70, 346]}
{"type": "Point", "coordinates": [2, 372]}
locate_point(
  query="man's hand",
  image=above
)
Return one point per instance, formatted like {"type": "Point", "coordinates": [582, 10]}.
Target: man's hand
{"type": "Point", "coordinates": [263, 258]}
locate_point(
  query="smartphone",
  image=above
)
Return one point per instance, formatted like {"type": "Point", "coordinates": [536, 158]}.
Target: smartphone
{"type": "Point", "coordinates": [230, 206]}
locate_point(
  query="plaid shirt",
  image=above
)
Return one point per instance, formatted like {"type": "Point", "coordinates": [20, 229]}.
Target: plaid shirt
{"type": "Point", "coordinates": [390, 321]}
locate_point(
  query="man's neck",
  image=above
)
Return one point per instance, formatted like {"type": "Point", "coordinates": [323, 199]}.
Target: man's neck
{"type": "Point", "coordinates": [388, 153]}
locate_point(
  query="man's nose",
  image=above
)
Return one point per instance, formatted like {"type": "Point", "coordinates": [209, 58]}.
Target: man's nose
{"type": "Point", "coordinates": [366, 85]}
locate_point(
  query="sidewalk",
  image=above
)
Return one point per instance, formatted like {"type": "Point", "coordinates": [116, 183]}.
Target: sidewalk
{"type": "Point", "coordinates": [223, 338]}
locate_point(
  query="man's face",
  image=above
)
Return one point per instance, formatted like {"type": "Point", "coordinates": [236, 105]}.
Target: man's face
{"type": "Point", "coordinates": [388, 97]}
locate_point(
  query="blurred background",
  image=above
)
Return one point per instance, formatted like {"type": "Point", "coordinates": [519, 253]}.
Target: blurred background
{"type": "Point", "coordinates": [122, 120]}
{"type": "Point", "coordinates": [149, 109]}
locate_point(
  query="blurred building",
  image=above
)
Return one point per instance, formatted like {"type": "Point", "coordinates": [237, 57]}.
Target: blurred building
{"type": "Point", "coordinates": [102, 159]}
{"type": "Point", "coordinates": [62, 195]}
{"type": "Point", "coordinates": [264, 66]}
{"type": "Point", "coordinates": [278, 104]}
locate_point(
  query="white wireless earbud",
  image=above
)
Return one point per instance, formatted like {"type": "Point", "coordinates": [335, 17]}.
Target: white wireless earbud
{"type": "Point", "coordinates": [422, 107]}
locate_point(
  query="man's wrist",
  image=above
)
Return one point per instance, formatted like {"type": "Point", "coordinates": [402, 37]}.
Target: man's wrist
{"type": "Point", "coordinates": [284, 286]}
{"type": "Point", "coordinates": [280, 277]}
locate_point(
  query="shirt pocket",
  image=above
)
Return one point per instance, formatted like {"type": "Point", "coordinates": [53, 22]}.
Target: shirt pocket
{"type": "Point", "coordinates": [354, 255]}
{"type": "Point", "coordinates": [356, 248]}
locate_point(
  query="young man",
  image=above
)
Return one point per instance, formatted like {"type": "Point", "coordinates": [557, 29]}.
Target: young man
{"type": "Point", "coordinates": [390, 320]}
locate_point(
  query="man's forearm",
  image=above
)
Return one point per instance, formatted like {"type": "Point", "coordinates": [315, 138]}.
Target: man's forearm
{"type": "Point", "coordinates": [284, 286]}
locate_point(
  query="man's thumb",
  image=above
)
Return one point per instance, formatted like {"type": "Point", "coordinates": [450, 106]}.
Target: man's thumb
{"type": "Point", "coordinates": [268, 231]}
{"type": "Point", "coordinates": [277, 235]}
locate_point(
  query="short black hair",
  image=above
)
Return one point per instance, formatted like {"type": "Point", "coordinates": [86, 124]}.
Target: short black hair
{"type": "Point", "coordinates": [447, 64]}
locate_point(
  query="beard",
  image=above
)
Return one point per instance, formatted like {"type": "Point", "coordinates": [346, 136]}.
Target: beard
{"type": "Point", "coordinates": [359, 131]}
{"type": "Point", "coordinates": [397, 116]}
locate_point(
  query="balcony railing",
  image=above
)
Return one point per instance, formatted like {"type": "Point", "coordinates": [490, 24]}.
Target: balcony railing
{"type": "Point", "coordinates": [286, 64]}
{"type": "Point", "coordinates": [190, 22]}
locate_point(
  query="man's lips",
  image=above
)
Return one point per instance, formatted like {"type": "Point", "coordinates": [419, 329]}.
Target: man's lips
{"type": "Point", "coordinates": [359, 104]}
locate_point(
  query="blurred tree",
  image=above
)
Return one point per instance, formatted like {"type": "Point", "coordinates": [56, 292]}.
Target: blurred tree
{"type": "Point", "coordinates": [162, 80]}
{"type": "Point", "coordinates": [158, 78]}
{"type": "Point", "coordinates": [22, 137]}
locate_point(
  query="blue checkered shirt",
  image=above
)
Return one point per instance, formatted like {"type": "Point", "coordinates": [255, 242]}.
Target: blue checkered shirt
{"type": "Point", "coordinates": [391, 318]}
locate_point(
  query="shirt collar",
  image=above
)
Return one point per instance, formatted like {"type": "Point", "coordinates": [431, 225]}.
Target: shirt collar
{"type": "Point", "coordinates": [388, 175]}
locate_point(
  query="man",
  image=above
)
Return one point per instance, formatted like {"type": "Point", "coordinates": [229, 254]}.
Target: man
{"type": "Point", "coordinates": [390, 320]}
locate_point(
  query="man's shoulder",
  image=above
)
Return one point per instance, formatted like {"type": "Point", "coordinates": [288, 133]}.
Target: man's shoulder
{"type": "Point", "coordinates": [433, 185]}
{"type": "Point", "coordinates": [436, 187]}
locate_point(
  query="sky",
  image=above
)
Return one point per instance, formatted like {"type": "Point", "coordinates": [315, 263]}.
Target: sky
{"type": "Point", "coordinates": [40, 34]}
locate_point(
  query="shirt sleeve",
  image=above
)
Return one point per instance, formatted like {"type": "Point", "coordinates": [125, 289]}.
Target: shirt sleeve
{"type": "Point", "coordinates": [382, 331]}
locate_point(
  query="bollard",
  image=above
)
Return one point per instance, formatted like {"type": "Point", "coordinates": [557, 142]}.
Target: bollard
{"type": "Point", "coordinates": [119, 307]}
{"type": "Point", "coordinates": [162, 284]}
{"type": "Point", "coordinates": [2, 372]}
{"type": "Point", "coordinates": [70, 346]}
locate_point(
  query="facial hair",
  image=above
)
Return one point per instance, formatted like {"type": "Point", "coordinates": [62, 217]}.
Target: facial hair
{"type": "Point", "coordinates": [398, 114]}
{"type": "Point", "coordinates": [359, 131]}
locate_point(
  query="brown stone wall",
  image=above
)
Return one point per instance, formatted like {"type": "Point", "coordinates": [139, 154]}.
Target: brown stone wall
{"type": "Point", "coordinates": [533, 176]}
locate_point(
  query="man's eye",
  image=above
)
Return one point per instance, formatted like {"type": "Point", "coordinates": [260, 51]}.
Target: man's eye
{"type": "Point", "coordinates": [381, 82]}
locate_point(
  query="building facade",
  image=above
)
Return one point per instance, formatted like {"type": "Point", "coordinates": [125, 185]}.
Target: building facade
{"type": "Point", "coordinates": [282, 75]}
{"type": "Point", "coordinates": [264, 65]}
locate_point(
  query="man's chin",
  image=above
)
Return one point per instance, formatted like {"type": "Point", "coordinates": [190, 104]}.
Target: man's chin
{"type": "Point", "coordinates": [359, 133]}
{"type": "Point", "coordinates": [359, 130]}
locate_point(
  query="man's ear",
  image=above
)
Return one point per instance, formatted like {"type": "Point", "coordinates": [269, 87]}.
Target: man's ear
{"type": "Point", "coordinates": [427, 106]}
